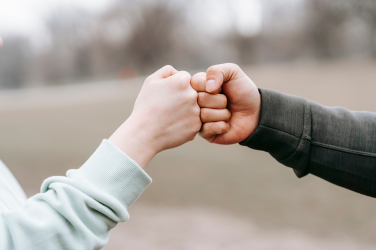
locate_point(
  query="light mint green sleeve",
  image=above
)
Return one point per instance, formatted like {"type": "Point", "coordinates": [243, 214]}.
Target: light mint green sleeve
{"type": "Point", "coordinates": [79, 210]}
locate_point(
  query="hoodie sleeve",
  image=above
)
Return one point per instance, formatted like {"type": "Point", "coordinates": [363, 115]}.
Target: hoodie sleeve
{"type": "Point", "coordinates": [77, 211]}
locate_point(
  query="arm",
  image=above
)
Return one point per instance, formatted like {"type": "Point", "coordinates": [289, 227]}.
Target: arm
{"type": "Point", "coordinates": [79, 210]}
{"type": "Point", "coordinates": [332, 143]}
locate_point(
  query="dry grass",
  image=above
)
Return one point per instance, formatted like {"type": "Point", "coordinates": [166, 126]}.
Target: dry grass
{"type": "Point", "coordinates": [46, 132]}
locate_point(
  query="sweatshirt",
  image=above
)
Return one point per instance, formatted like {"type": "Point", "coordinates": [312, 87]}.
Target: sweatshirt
{"type": "Point", "coordinates": [76, 211]}
{"type": "Point", "coordinates": [332, 143]}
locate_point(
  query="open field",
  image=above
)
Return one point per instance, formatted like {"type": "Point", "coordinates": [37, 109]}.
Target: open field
{"type": "Point", "coordinates": [203, 196]}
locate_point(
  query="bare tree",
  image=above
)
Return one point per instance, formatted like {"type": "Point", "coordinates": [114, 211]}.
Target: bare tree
{"type": "Point", "coordinates": [71, 33]}
{"type": "Point", "coordinates": [146, 34]}
{"type": "Point", "coordinates": [151, 40]}
{"type": "Point", "coordinates": [324, 29]}
{"type": "Point", "coordinates": [15, 57]}
{"type": "Point", "coordinates": [366, 9]}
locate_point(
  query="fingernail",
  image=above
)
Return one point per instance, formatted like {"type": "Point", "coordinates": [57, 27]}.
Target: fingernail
{"type": "Point", "coordinates": [210, 85]}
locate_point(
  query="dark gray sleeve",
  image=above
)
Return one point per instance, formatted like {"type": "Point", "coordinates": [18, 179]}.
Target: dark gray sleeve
{"type": "Point", "coordinates": [332, 143]}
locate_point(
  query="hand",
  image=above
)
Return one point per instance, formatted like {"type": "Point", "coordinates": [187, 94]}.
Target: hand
{"type": "Point", "coordinates": [165, 115]}
{"type": "Point", "coordinates": [241, 118]}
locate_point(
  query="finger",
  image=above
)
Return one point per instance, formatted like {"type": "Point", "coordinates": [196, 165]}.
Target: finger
{"type": "Point", "coordinates": [163, 72]}
{"type": "Point", "coordinates": [218, 74]}
{"type": "Point", "coordinates": [215, 115]}
{"type": "Point", "coordinates": [206, 100]}
{"type": "Point", "coordinates": [1, 42]}
{"type": "Point", "coordinates": [198, 83]}
{"type": "Point", "coordinates": [210, 130]}
{"type": "Point", "coordinates": [182, 78]}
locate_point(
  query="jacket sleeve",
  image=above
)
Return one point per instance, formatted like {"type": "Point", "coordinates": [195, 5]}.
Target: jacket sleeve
{"type": "Point", "coordinates": [79, 210]}
{"type": "Point", "coordinates": [330, 142]}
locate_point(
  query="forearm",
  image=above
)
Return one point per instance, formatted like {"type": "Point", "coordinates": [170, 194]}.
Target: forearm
{"type": "Point", "coordinates": [79, 210]}
{"type": "Point", "coordinates": [134, 140]}
{"type": "Point", "coordinates": [332, 143]}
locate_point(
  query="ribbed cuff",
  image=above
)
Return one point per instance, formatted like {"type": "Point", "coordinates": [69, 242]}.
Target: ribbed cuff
{"type": "Point", "coordinates": [115, 173]}
{"type": "Point", "coordinates": [284, 129]}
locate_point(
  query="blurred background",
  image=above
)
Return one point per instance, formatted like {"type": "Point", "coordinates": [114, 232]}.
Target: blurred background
{"type": "Point", "coordinates": [70, 72]}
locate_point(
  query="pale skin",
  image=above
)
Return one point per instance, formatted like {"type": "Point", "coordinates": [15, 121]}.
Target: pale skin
{"type": "Point", "coordinates": [165, 115]}
{"type": "Point", "coordinates": [172, 108]}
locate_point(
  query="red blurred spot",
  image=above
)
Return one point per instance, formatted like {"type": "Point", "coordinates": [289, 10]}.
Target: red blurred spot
{"type": "Point", "coordinates": [126, 72]}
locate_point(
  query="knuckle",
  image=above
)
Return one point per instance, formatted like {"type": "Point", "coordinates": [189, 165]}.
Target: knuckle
{"type": "Point", "coordinates": [212, 69]}
{"type": "Point", "coordinates": [185, 75]}
{"type": "Point", "coordinates": [192, 95]}
{"type": "Point", "coordinates": [233, 66]}
{"type": "Point", "coordinates": [180, 78]}
{"type": "Point", "coordinates": [168, 67]}
{"type": "Point", "coordinates": [184, 78]}
{"type": "Point", "coordinates": [196, 110]}
{"type": "Point", "coordinates": [181, 82]}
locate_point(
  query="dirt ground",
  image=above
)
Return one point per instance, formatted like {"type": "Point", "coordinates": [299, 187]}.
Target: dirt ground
{"type": "Point", "coordinates": [203, 196]}
{"type": "Point", "coordinates": [201, 228]}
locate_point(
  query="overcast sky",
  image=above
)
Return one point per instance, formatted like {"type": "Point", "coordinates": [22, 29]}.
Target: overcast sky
{"type": "Point", "coordinates": [26, 16]}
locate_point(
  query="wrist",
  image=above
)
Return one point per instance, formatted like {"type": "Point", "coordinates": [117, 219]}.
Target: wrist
{"type": "Point", "coordinates": [256, 115]}
{"type": "Point", "coordinates": [131, 138]}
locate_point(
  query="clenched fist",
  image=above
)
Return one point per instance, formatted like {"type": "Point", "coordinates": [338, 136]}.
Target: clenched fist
{"type": "Point", "coordinates": [165, 115]}
{"type": "Point", "coordinates": [230, 117]}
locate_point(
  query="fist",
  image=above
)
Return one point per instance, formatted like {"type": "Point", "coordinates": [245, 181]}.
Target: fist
{"type": "Point", "coordinates": [165, 115]}
{"type": "Point", "coordinates": [166, 109]}
{"type": "Point", "coordinates": [230, 117]}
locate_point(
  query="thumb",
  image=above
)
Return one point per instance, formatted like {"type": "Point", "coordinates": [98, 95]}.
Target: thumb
{"type": "Point", "coordinates": [219, 74]}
